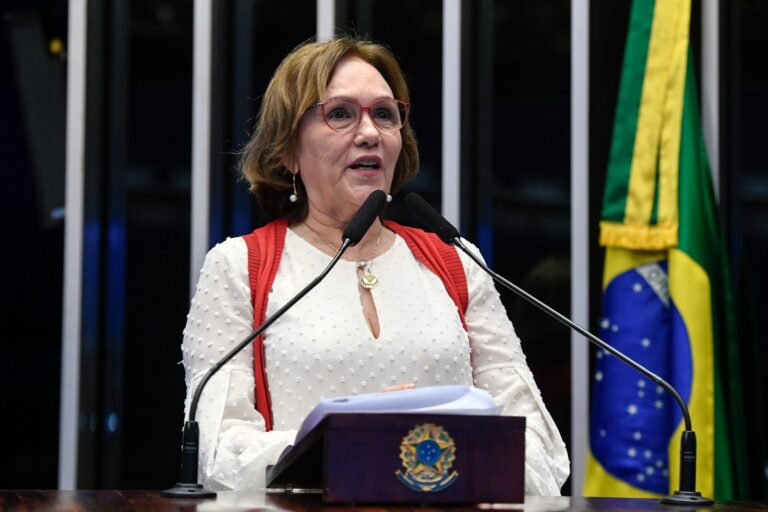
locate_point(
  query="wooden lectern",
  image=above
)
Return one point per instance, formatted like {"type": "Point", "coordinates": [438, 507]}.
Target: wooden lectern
{"type": "Point", "coordinates": [408, 458]}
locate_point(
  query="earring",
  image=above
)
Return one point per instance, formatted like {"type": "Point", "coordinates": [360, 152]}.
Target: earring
{"type": "Point", "coordinates": [294, 197]}
{"type": "Point", "coordinates": [389, 198]}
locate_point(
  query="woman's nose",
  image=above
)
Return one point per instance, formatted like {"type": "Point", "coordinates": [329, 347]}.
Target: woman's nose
{"type": "Point", "coordinates": [367, 130]}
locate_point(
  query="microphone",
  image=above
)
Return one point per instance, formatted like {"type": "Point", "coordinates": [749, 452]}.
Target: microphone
{"type": "Point", "coordinates": [432, 218]}
{"type": "Point", "coordinates": [358, 226]}
{"type": "Point", "coordinates": [187, 486]}
{"type": "Point", "coordinates": [687, 494]}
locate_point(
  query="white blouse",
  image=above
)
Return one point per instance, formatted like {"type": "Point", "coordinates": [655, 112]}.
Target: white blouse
{"type": "Point", "coordinates": [323, 347]}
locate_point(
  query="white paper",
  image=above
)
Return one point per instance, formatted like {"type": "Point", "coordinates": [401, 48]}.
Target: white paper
{"type": "Point", "coordinates": [461, 400]}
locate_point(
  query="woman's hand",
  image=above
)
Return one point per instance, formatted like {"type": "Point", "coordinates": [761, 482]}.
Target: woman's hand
{"type": "Point", "coordinates": [398, 387]}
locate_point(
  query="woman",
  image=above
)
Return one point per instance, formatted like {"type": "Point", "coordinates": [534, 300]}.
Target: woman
{"type": "Point", "coordinates": [332, 129]}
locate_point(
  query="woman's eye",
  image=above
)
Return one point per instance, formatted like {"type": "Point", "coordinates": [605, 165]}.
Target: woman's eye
{"type": "Point", "coordinates": [339, 113]}
{"type": "Point", "coordinates": [384, 113]}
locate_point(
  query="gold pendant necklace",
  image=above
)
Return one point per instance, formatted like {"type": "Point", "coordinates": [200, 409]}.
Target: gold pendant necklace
{"type": "Point", "coordinates": [369, 281]}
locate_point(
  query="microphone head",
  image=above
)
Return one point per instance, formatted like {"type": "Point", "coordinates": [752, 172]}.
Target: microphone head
{"type": "Point", "coordinates": [357, 227]}
{"type": "Point", "coordinates": [436, 222]}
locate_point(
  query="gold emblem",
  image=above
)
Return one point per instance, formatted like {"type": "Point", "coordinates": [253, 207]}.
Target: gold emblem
{"type": "Point", "coordinates": [428, 453]}
{"type": "Point", "coordinates": [369, 281]}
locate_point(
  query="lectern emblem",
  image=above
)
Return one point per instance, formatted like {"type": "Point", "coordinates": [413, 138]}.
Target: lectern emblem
{"type": "Point", "coordinates": [427, 453]}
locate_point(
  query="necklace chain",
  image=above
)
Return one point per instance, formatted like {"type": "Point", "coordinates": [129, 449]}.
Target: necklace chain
{"type": "Point", "coordinates": [368, 280]}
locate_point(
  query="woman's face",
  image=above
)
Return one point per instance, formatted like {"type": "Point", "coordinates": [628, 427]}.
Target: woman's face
{"type": "Point", "coordinates": [340, 170]}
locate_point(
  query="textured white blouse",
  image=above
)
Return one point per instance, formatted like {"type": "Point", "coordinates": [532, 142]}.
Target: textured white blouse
{"type": "Point", "coordinates": [323, 347]}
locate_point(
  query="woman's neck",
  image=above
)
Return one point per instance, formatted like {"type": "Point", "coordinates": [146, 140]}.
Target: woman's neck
{"type": "Point", "coordinates": [325, 234]}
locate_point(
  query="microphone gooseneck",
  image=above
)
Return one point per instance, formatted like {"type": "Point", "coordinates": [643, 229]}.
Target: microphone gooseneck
{"type": "Point", "coordinates": [687, 495]}
{"type": "Point", "coordinates": [187, 487]}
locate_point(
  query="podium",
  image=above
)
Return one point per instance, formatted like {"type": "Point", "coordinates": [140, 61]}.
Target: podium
{"type": "Point", "coordinates": [408, 458]}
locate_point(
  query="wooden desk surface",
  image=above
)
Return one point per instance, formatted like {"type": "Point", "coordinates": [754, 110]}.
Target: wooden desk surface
{"type": "Point", "coordinates": [81, 501]}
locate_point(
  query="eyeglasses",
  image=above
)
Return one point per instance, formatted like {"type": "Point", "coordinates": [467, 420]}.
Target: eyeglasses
{"type": "Point", "coordinates": [343, 115]}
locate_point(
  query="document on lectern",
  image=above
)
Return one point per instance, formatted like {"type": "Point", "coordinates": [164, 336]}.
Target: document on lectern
{"type": "Point", "coordinates": [462, 400]}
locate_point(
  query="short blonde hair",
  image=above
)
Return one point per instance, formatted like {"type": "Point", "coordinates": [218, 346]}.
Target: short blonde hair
{"type": "Point", "coordinates": [299, 82]}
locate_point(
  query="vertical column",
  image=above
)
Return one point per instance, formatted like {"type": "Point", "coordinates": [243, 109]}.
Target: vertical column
{"type": "Point", "coordinates": [579, 238]}
{"type": "Point", "coordinates": [201, 136]}
{"type": "Point", "coordinates": [710, 85]}
{"type": "Point", "coordinates": [452, 110]}
{"type": "Point", "coordinates": [326, 16]}
{"type": "Point", "coordinates": [73, 244]}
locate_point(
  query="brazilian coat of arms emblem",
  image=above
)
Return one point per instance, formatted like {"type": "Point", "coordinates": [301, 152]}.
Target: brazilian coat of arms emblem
{"type": "Point", "coordinates": [428, 453]}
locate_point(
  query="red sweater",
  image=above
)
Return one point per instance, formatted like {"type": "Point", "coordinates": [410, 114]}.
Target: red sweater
{"type": "Point", "coordinates": [265, 248]}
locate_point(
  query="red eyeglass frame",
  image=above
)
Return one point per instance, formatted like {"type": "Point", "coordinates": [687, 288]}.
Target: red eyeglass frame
{"type": "Point", "coordinates": [406, 109]}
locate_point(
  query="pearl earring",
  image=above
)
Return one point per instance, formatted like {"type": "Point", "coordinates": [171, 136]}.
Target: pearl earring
{"type": "Point", "coordinates": [294, 197]}
{"type": "Point", "coordinates": [389, 198]}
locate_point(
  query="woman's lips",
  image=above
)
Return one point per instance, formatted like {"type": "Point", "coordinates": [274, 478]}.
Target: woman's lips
{"type": "Point", "coordinates": [367, 166]}
{"type": "Point", "coordinates": [366, 162]}
{"type": "Point", "coordinates": [366, 171]}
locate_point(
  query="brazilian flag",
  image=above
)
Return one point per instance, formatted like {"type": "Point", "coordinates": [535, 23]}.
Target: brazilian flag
{"type": "Point", "coordinates": [666, 301]}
